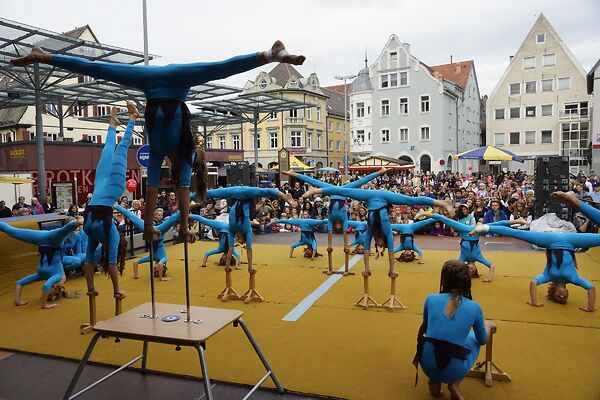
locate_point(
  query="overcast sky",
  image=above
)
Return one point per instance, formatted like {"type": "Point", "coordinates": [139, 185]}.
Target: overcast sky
{"type": "Point", "coordinates": [332, 34]}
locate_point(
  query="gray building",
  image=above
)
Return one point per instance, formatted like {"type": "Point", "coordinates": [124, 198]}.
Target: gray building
{"type": "Point", "coordinates": [419, 113]}
{"type": "Point", "coordinates": [593, 88]}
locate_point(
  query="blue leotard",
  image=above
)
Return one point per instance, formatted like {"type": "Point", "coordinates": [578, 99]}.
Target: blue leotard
{"type": "Point", "coordinates": [49, 266]}
{"type": "Point", "coordinates": [84, 244]}
{"type": "Point", "coordinates": [377, 203]}
{"type": "Point", "coordinates": [561, 266]}
{"type": "Point", "coordinates": [70, 250]}
{"type": "Point", "coordinates": [223, 228]}
{"type": "Point", "coordinates": [591, 212]}
{"type": "Point", "coordinates": [407, 235]}
{"type": "Point", "coordinates": [108, 187]}
{"type": "Point", "coordinates": [337, 204]}
{"type": "Point", "coordinates": [169, 82]}
{"type": "Point", "coordinates": [307, 227]}
{"type": "Point", "coordinates": [159, 252]}
{"type": "Point", "coordinates": [360, 234]}
{"type": "Point", "coordinates": [456, 330]}
{"type": "Point", "coordinates": [239, 213]}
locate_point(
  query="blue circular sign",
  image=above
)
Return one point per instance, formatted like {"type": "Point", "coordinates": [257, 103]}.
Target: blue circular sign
{"type": "Point", "coordinates": [143, 154]}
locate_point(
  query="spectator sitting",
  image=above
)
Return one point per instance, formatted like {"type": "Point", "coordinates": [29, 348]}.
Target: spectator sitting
{"type": "Point", "coordinates": [595, 195]}
{"type": "Point", "coordinates": [48, 206]}
{"type": "Point", "coordinates": [36, 207]}
{"type": "Point", "coordinates": [5, 212]}
{"type": "Point", "coordinates": [73, 211]}
{"type": "Point", "coordinates": [583, 223]}
{"type": "Point", "coordinates": [20, 204]}
{"type": "Point", "coordinates": [495, 214]}
{"type": "Point", "coordinates": [23, 211]}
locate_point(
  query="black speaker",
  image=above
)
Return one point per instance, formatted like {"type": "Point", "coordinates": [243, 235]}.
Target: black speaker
{"type": "Point", "coordinates": [551, 175]}
{"type": "Point", "coordinates": [240, 175]}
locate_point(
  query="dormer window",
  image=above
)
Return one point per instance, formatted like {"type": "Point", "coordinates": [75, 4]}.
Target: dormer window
{"type": "Point", "coordinates": [263, 84]}
{"type": "Point", "coordinates": [393, 56]}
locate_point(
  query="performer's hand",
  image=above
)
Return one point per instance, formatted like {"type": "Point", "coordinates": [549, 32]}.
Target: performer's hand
{"type": "Point", "coordinates": [366, 273]}
{"type": "Point", "coordinates": [252, 270]}
{"type": "Point", "coordinates": [291, 173]}
{"type": "Point", "coordinates": [92, 292]}
{"type": "Point", "coordinates": [114, 121]}
{"type": "Point", "coordinates": [186, 236]}
{"type": "Point", "coordinates": [587, 309]}
{"type": "Point", "coordinates": [535, 304]}
{"type": "Point", "coordinates": [120, 295]}
{"type": "Point", "coordinates": [392, 274]}
{"type": "Point", "coordinates": [383, 171]}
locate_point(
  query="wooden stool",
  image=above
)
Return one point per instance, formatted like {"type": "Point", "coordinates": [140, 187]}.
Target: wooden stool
{"type": "Point", "coordinates": [366, 300]}
{"type": "Point", "coordinates": [229, 292]}
{"type": "Point", "coordinates": [347, 262]}
{"type": "Point", "coordinates": [393, 301]}
{"type": "Point", "coordinates": [88, 327]}
{"type": "Point", "coordinates": [330, 261]}
{"type": "Point", "coordinates": [487, 369]}
{"type": "Point", "coordinates": [119, 304]}
{"type": "Point", "coordinates": [252, 294]}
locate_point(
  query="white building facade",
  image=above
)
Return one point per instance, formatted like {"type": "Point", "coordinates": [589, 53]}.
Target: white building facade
{"type": "Point", "coordinates": [540, 106]}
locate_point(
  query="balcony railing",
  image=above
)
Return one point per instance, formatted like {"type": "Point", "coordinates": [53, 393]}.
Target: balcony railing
{"type": "Point", "coordinates": [294, 121]}
{"type": "Point", "coordinates": [574, 115]}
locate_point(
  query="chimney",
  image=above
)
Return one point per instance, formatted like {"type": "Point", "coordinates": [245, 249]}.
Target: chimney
{"type": "Point", "coordinates": [450, 58]}
{"type": "Point", "coordinates": [510, 58]}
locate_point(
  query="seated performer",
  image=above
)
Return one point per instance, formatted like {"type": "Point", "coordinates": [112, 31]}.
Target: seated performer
{"type": "Point", "coordinates": [167, 116]}
{"type": "Point", "coordinates": [407, 238]}
{"type": "Point", "coordinates": [49, 266]}
{"type": "Point", "coordinates": [98, 215]}
{"type": "Point", "coordinates": [561, 265]}
{"type": "Point", "coordinates": [71, 249]}
{"type": "Point", "coordinates": [222, 228]}
{"type": "Point", "coordinates": [307, 235]}
{"type": "Point", "coordinates": [446, 347]}
{"type": "Point", "coordinates": [470, 251]}
{"type": "Point", "coordinates": [159, 252]}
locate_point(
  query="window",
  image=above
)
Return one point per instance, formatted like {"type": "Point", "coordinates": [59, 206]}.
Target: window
{"type": "Point", "coordinates": [236, 141]}
{"type": "Point", "coordinates": [576, 109]}
{"type": "Point", "coordinates": [515, 112]}
{"type": "Point", "coordinates": [546, 110]}
{"type": "Point", "coordinates": [499, 113]}
{"type": "Point", "coordinates": [385, 136]}
{"type": "Point", "coordinates": [369, 110]}
{"type": "Point", "coordinates": [50, 137]}
{"type": "Point", "coordinates": [273, 115]}
{"type": "Point", "coordinates": [547, 85]}
{"type": "Point", "coordinates": [137, 141]}
{"type": "Point", "coordinates": [103, 110]}
{"type": "Point", "coordinates": [319, 136]}
{"type": "Point", "coordinates": [404, 106]}
{"type": "Point", "coordinates": [385, 81]}
{"type": "Point", "coordinates": [425, 133]}
{"type": "Point", "coordinates": [257, 139]}
{"type": "Point", "coordinates": [330, 126]}
{"type": "Point", "coordinates": [318, 114]}
{"type": "Point", "coordinates": [515, 88]}
{"type": "Point", "coordinates": [530, 137]}
{"type": "Point", "coordinates": [273, 140]}
{"type": "Point", "coordinates": [339, 146]}
{"type": "Point", "coordinates": [263, 84]}
{"type": "Point", "coordinates": [404, 78]}
{"type": "Point", "coordinates": [549, 60]}
{"type": "Point", "coordinates": [564, 83]}
{"type": "Point", "coordinates": [531, 87]}
{"type": "Point", "coordinates": [498, 139]}
{"type": "Point", "coordinates": [360, 110]}
{"type": "Point", "coordinates": [385, 108]}
{"type": "Point", "coordinates": [528, 62]}
{"type": "Point", "coordinates": [308, 114]}
{"type": "Point", "coordinates": [360, 137]}
{"type": "Point", "coordinates": [294, 113]}
{"type": "Point", "coordinates": [221, 142]}
{"type": "Point", "coordinates": [87, 79]}
{"type": "Point", "coordinates": [540, 38]}
{"type": "Point", "coordinates": [296, 138]}
{"type": "Point", "coordinates": [393, 80]}
{"type": "Point", "coordinates": [529, 111]}
{"type": "Point", "coordinates": [404, 134]}
{"type": "Point", "coordinates": [339, 127]}
{"type": "Point", "coordinates": [425, 104]}
{"type": "Point", "coordinates": [393, 56]}
{"type": "Point", "coordinates": [309, 140]}
{"type": "Point", "coordinates": [575, 140]}
{"type": "Point", "coordinates": [209, 142]}
{"type": "Point", "coordinates": [546, 137]}
{"type": "Point", "coordinates": [79, 111]}
{"type": "Point", "coordinates": [330, 145]}
{"type": "Point", "coordinates": [515, 138]}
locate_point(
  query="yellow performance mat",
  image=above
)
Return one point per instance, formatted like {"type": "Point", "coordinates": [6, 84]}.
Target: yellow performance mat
{"type": "Point", "coordinates": [334, 348]}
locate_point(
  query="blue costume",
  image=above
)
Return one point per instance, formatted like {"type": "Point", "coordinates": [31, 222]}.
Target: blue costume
{"type": "Point", "coordinates": [71, 248]}
{"type": "Point", "coordinates": [159, 251]}
{"type": "Point", "coordinates": [108, 187]}
{"type": "Point", "coordinates": [407, 235]}
{"type": "Point", "coordinates": [307, 226]}
{"type": "Point", "coordinates": [84, 243]}
{"type": "Point", "coordinates": [456, 331]}
{"type": "Point", "coordinates": [49, 266]}
{"type": "Point", "coordinates": [377, 202]}
{"type": "Point", "coordinates": [239, 212]}
{"type": "Point", "coordinates": [223, 228]}
{"type": "Point", "coordinates": [561, 265]}
{"type": "Point", "coordinates": [166, 88]}
{"type": "Point", "coordinates": [470, 251]}
{"type": "Point", "coordinates": [360, 232]}
{"type": "Point", "coordinates": [337, 204]}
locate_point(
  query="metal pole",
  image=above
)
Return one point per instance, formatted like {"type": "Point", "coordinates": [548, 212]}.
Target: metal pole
{"type": "Point", "coordinates": [59, 112]}
{"type": "Point", "coordinates": [255, 117]}
{"type": "Point", "coordinates": [187, 280]}
{"type": "Point", "coordinates": [145, 17]}
{"type": "Point", "coordinates": [39, 136]}
{"type": "Point", "coordinates": [151, 255]}
{"type": "Point", "coordinates": [346, 144]}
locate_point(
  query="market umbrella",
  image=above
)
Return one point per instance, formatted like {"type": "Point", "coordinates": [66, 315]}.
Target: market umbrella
{"type": "Point", "coordinates": [488, 153]}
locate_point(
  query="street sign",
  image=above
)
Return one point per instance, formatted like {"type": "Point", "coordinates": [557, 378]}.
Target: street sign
{"type": "Point", "coordinates": [143, 154]}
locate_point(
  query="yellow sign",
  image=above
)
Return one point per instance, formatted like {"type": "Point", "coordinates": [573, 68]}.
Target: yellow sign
{"type": "Point", "coordinates": [17, 153]}
{"type": "Point", "coordinates": [235, 157]}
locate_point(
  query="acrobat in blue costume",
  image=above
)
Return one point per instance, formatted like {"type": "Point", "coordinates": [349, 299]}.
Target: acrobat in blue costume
{"type": "Point", "coordinates": [307, 233]}
{"type": "Point", "coordinates": [70, 252]}
{"type": "Point", "coordinates": [360, 231]}
{"type": "Point", "coordinates": [561, 264]}
{"type": "Point", "coordinates": [407, 237]}
{"type": "Point", "coordinates": [470, 251]}
{"type": "Point", "coordinates": [49, 266]}
{"type": "Point", "coordinates": [159, 252]}
{"type": "Point", "coordinates": [84, 243]}
{"type": "Point", "coordinates": [222, 228]}
{"type": "Point", "coordinates": [338, 213]}
{"type": "Point", "coordinates": [98, 215]}
{"type": "Point", "coordinates": [167, 117]}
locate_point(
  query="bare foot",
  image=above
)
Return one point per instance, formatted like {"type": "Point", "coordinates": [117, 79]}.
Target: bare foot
{"type": "Point", "coordinates": [521, 221]}
{"type": "Point", "coordinates": [203, 266]}
{"type": "Point", "coordinates": [228, 269]}
{"type": "Point", "coordinates": [252, 271]}
{"type": "Point", "coordinates": [486, 280]}
{"type": "Point", "coordinates": [435, 388]}
{"type": "Point", "coordinates": [586, 309]}
{"type": "Point", "coordinates": [114, 121]}
{"type": "Point", "coordinates": [150, 233]}
{"type": "Point", "coordinates": [186, 235]}
{"type": "Point", "coordinates": [279, 54]}
{"type": "Point", "coordinates": [21, 303]}
{"type": "Point", "coordinates": [292, 256]}
{"type": "Point", "coordinates": [569, 198]}
{"type": "Point", "coordinates": [237, 267]}
{"type": "Point", "coordinates": [136, 277]}
{"type": "Point", "coordinates": [36, 55]}
{"type": "Point", "coordinates": [132, 110]}
{"type": "Point", "coordinates": [50, 305]}
{"type": "Point", "coordinates": [421, 262]}
{"type": "Point", "coordinates": [454, 392]}
{"type": "Point", "coordinates": [448, 207]}
{"type": "Point", "coordinates": [165, 278]}
{"type": "Point", "coordinates": [290, 200]}
{"type": "Point", "coordinates": [422, 213]}
{"type": "Point", "coordinates": [535, 304]}
{"type": "Point", "coordinates": [291, 173]}
{"type": "Point", "coordinates": [120, 295]}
